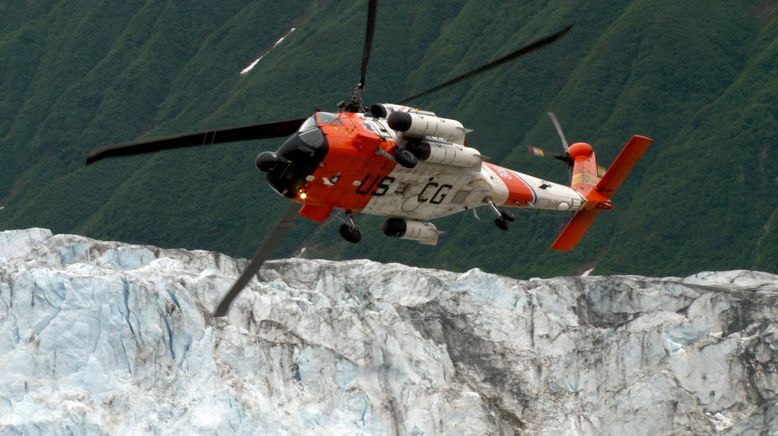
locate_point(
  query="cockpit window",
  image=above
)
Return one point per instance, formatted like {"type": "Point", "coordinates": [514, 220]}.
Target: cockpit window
{"type": "Point", "coordinates": [312, 137]}
{"type": "Point", "coordinates": [310, 134]}
{"type": "Point", "coordinates": [309, 124]}
{"type": "Point", "coordinates": [329, 118]}
{"type": "Point", "coordinates": [298, 157]}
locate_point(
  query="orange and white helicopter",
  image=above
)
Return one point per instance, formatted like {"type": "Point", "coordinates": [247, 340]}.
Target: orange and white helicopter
{"type": "Point", "coordinates": [403, 163]}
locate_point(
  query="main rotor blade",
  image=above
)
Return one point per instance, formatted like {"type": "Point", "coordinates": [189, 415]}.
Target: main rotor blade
{"type": "Point", "coordinates": [509, 57]}
{"type": "Point", "coordinates": [256, 131]}
{"type": "Point", "coordinates": [369, 30]}
{"type": "Point", "coordinates": [263, 253]}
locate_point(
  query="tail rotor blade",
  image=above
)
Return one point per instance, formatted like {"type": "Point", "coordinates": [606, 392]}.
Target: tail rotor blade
{"type": "Point", "coordinates": [564, 157]}
{"type": "Point", "coordinates": [539, 152]}
{"type": "Point", "coordinates": [234, 134]}
{"type": "Point", "coordinates": [559, 131]}
{"type": "Point", "coordinates": [263, 253]}
{"type": "Point", "coordinates": [535, 151]}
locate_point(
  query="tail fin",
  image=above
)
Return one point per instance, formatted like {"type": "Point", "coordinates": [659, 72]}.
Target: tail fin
{"type": "Point", "coordinates": [623, 164]}
{"type": "Point", "coordinates": [584, 167]}
{"type": "Point", "coordinates": [597, 192]}
{"type": "Point", "coordinates": [575, 229]}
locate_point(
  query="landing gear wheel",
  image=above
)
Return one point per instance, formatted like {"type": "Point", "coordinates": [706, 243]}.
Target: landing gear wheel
{"type": "Point", "coordinates": [350, 233]}
{"type": "Point", "coordinates": [507, 216]}
{"type": "Point", "coordinates": [405, 158]}
{"type": "Point", "coordinates": [501, 224]}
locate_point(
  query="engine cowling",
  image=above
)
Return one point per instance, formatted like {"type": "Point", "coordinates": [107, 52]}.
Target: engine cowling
{"type": "Point", "coordinates": [445, 154]}
{"type": "Point", "coordinates": [384, 109]}
{"type": "Point", "coordinates": [423, 232]}
{"type": "Point", "coordinates": [418, 125]}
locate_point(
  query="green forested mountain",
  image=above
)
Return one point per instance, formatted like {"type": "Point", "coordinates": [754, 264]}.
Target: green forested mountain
{"type": "Point", "coordinates": [700, 77]}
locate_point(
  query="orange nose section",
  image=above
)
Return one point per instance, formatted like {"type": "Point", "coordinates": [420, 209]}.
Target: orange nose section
{"type": "Point", "coordinates": [580, 149]}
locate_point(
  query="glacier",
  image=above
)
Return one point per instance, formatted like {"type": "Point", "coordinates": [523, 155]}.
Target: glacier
{"type": "Point", "coordinates": [104, 337]}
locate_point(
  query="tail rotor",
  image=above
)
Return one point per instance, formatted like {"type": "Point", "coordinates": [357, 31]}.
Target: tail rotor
{"type": "Point", "coordinates": [565, 155]}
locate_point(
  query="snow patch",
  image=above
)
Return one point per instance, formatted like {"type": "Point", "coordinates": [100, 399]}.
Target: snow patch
{"type": "Point", "coordinates": [251, 66]}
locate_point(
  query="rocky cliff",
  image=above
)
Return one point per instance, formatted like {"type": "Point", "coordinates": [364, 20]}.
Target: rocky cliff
{"type": "Point", "coordinates": [105, 337]}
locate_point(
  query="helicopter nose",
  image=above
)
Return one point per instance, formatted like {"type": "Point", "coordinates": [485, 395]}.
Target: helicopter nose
{"type": "Point", "coordinates": [266, 161]}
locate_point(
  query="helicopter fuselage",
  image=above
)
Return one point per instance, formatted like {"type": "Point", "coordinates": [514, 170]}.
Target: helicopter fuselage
{"type": "Point", "coordinates": [350, 164]}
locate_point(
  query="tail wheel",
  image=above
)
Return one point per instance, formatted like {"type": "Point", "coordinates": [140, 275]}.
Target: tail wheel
{"type": "Point", "coordinates": [350, 233]}
{"type": "Point", "coordinates": [507, 216]}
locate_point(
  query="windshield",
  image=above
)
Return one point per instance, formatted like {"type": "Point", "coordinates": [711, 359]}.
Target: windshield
{"type": "Point", "coordinates": [328, 118]}
{"type": "Point", "coordinates": [309, 124]}
{"type": "Point", "coordinates": [298, 157]}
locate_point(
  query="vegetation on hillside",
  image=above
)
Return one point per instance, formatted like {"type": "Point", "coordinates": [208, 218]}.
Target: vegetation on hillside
{"type": "Point", "coordinates": [698, 77]}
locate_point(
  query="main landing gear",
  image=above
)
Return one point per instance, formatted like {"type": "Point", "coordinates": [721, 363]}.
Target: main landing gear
{"type": "Point", "coordinates": [503, 217]}
{"type": "Point", "coordinates": [349, 230]}
{"type": "Point", "coordinates": [405, 157]}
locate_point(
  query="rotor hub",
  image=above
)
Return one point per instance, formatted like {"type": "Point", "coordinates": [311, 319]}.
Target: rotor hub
{"type": "Point", "coordinates": [580, 149]}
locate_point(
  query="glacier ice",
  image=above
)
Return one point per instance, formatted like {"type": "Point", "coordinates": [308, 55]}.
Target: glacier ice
{"type": "Point", "coordinates": [105, 337]}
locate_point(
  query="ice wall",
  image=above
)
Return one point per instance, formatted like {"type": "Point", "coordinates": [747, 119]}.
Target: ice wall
{"type": "Point", "coordinates": [105, 337]}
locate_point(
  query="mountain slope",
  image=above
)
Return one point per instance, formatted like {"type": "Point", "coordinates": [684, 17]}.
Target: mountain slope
{"type": "Point", "coordinates": [698, 77]}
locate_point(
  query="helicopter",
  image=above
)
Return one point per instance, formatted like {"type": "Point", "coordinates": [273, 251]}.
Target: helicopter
{"type": "Point", "coordinates": [403, 163]}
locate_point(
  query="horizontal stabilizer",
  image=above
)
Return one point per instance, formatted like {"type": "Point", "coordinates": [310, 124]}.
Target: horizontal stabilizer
{"type": "Point", "coordinates": [598, 196]}
{"type": "Point", "coordinates": [575, 230]}
{"type": "Point", "coordinates": [623, 164]}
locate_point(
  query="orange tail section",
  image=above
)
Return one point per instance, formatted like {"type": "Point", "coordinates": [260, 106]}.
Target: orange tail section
{"type": "Point", "coordinates": [623, 164]}
{"type": "Point", "coordinates": [575, 229]}
{"type": "Point", "coordinates": [598, 192]}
